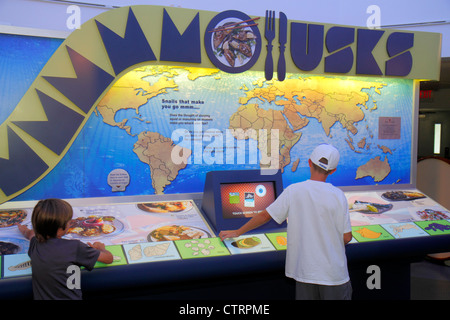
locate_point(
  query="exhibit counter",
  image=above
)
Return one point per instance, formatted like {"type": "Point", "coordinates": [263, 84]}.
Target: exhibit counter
{"type": "Point", "coordinates": [165, 247]}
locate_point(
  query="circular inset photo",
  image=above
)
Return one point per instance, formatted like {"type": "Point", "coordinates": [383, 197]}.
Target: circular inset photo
{"type": "Point", "coordinates": [233, 41]}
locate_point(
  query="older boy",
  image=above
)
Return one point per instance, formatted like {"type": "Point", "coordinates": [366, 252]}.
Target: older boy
{"type": "Point", "coordinates": [318, 230]}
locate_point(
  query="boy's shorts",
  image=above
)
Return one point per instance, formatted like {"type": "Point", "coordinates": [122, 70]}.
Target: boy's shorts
{"type": "Point", "coordinates": [310, 291]}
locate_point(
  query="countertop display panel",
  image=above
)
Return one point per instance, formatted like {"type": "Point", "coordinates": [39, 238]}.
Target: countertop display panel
{"type": "Point", "coordinates": [395, 214]}
{"type": "Point", "coordinates": [162, 231]}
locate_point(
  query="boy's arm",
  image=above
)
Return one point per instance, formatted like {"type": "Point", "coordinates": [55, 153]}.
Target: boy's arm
{"type": "Point", "coordinates": [105, 256]}
{"type": "Point", "coordinates": [347, 237]}
{"type": "Point", "coordinates": [258, 220]}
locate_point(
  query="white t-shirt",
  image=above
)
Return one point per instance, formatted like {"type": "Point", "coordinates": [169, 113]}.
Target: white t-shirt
{"type": "Point", "coordinates": [317, 214]}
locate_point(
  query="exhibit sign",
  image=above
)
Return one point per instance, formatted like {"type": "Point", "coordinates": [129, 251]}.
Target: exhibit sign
{"type": "Point", "coordinates": [147, 99]}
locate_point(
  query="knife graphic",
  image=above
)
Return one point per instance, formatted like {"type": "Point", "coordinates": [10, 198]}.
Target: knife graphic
{"type": "Point", "coordinates": [281, 68]}
{"type": "Point", "coordinates": [269, 34]}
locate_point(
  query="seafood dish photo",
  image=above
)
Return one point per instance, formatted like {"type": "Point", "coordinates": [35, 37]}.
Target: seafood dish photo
{"type": "Point", "coordinates": [8, 218]}
{"type": "Point", "coordinates": [234, 41]}
{"type": "Point", "coordinates": [175, 232]}
{"type": "Point", "coordinates": [165, 207]}
{"type": "Point", "coordinates": [8, 248]}
{"type": "Point", "coordinates": [93, 226]}
{"type": "Point", "coordinates": [246, 243]}
{"type": "Point", "coordinates": [369, 207]}
{"type": "Point", "coordinates": [430, 214]}
{"type": "Point", "coordinates": [402, 195]}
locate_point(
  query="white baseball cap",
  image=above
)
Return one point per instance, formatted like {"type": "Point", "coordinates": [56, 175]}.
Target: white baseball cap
{"type": "Point", "coordinates": [328, 152]}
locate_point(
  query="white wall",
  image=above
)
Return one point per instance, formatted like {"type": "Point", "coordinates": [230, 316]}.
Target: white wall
{"type": "Point", "coordinates": [432, 179]}
{"type": "Point", "coordinates": [43, 14]}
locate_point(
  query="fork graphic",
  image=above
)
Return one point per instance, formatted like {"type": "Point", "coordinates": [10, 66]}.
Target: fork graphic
{"type": "Point", "coordinates": [269, 34]}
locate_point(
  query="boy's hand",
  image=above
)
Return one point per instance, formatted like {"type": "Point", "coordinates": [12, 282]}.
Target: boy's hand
{"type": "Point", "coordinates": [105, 256]}
{"type": "Point", "coordinates": [27, 233]}
{"type": "Point", "coordinates": [97, 245]}
{"type": "Point", "coordinates": [228, 234]}
{"type": "Point", "coordinates": [22, 228]}
{"type": "Point", "coordinates": [256, 221]}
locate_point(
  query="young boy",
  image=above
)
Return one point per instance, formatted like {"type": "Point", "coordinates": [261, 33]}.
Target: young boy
{"type": "Point", "coordinates": [52, 256]}
{"type": "Point", "coordinates": [317, 232]}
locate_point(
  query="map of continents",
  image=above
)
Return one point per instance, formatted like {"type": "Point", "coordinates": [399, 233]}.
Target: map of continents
{"type": "Point", "coordinates": [329, 100]}
{"type": "Point", "coordinates": [132, 91]}
{"type": "Point", "coordinates": [292, 103]}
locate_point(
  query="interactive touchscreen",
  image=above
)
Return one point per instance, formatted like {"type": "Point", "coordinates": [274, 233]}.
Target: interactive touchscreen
{"type": "Point", "coordinates": [232, 197]}
{"type": "Point", "coordinates": [245, 199]}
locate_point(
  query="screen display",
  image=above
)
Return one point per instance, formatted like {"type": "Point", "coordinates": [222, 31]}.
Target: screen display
{"type": "Point", "coordinates": [244, 200]}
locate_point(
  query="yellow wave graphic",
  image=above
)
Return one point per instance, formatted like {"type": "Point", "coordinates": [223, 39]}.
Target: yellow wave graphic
{"type": "Point", "coordinates": [51, 114]}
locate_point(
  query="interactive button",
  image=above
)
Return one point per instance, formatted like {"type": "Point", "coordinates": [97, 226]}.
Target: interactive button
{"type": "Point", "coordinates": [260, 190]}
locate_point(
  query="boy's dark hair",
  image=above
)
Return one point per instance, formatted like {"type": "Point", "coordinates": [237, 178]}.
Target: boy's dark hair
{"type": "Point", "coordinates": [48, 216]}
{"type": "Point", "coordinates": [319, 169]}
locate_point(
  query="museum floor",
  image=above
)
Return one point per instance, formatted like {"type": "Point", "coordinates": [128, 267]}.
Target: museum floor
{"type": "Point", "coordinates": [430, 281]}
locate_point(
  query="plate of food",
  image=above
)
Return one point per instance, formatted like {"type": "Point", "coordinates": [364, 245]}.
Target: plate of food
{"type": "Point", "coordinates": [176, 232]}
{"type": "Point", "coordinates": [369, 207]}
{"type": "Point", "coordinates": [233, 41]}
{"type": "Point", "coordinates": [247, 243]}
{"type": "Point", "coordinates": [168, 207]}
{"type": "Point", "coordinates": [13, 246]}
{"type": "Point", "coordinates": [9, 218]}
{"type": "Point", "coordinates": [402, 195]}
{"type": "Point", "coordinates": [431, 214]}
{"type": "Point", "coordinates": [94, 226]}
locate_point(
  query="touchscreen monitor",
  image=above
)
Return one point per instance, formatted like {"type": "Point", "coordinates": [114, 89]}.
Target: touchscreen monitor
{"type": "Point", "coordinates": [245, 200]}
{"type": "Point", "coordinates": [230, 198]}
